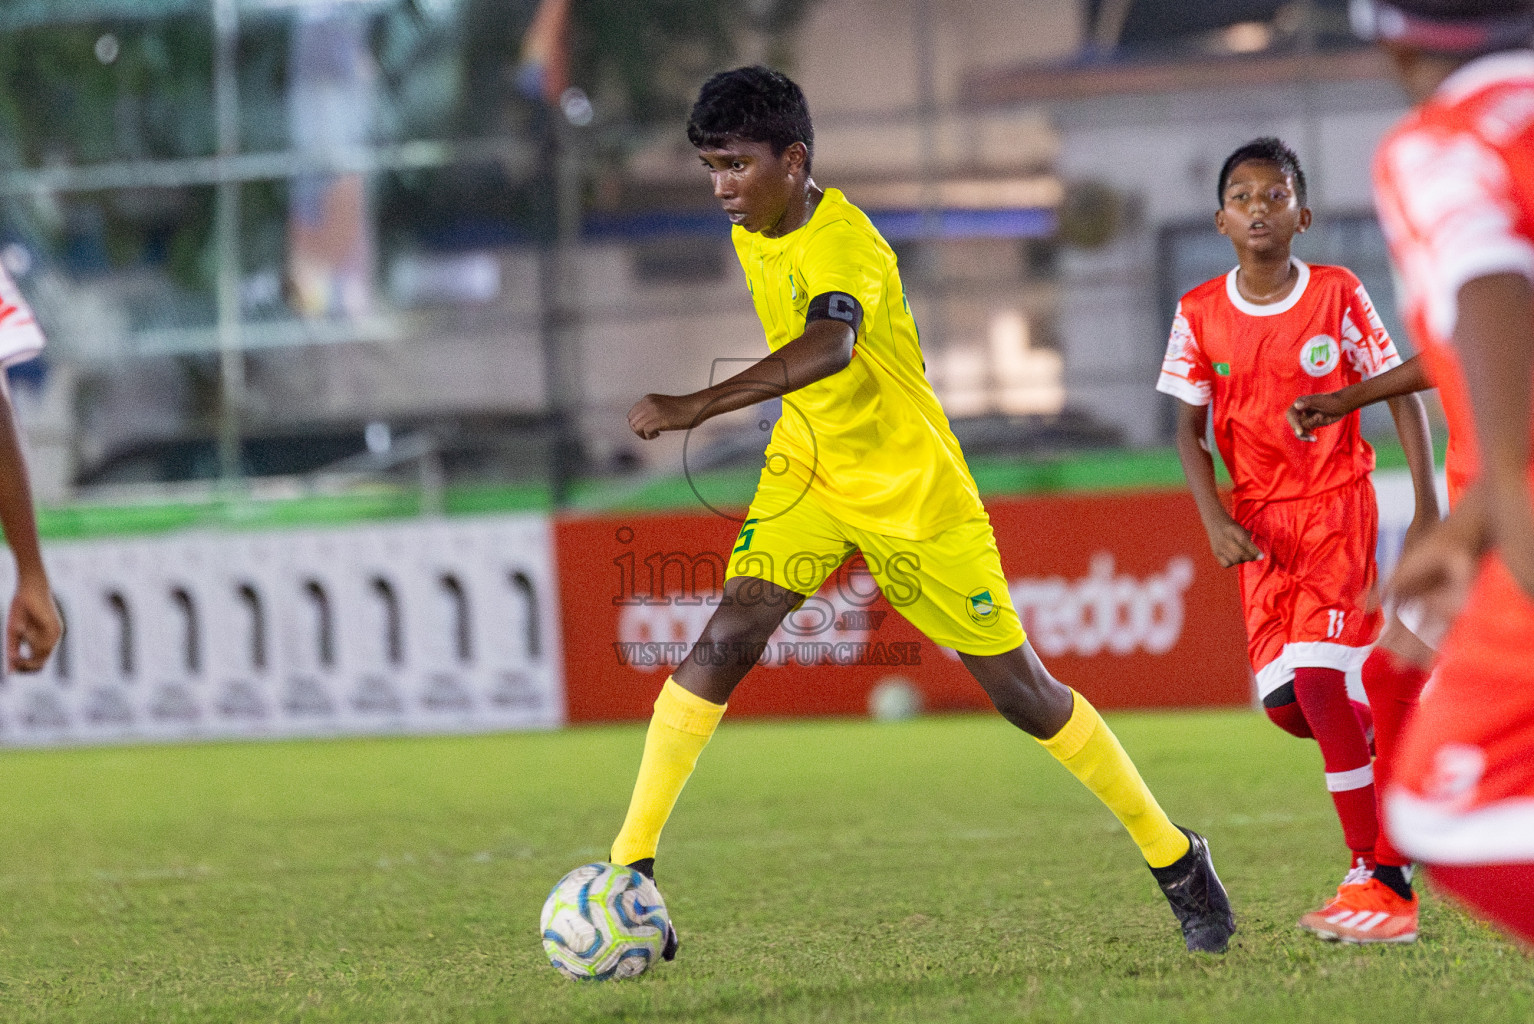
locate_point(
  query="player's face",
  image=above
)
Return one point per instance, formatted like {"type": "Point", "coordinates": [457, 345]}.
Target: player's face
{"type": "Point", "coordinates": [1261, 212]}
{"type": "Point", "coordinates": [753, 184]}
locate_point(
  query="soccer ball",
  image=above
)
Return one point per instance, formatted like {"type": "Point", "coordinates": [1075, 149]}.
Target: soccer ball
{"type": "Point", "coordinates": [895, 699]}
{"type": "Point", "coordinates": [602, 922]}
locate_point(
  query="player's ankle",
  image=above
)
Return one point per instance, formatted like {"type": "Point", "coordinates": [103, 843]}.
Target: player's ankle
{"type": "Point", "coordinates": [645, 866]}
{"type": "Point", "coordinates": [1396, 877]}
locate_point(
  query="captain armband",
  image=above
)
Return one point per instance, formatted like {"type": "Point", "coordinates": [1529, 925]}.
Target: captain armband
{"type": "Point", "coordinates": [835, 306]}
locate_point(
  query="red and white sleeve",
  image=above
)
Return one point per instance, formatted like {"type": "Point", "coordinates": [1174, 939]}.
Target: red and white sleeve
{"type": "Point", "coordinates": [20, 337]}
{"type": "Point", "coordinates": [1453, 193]}
{"type": "Point", "coordinates": [1365, 341]}
{"type": "Point", "coordinates": [1185, 370]}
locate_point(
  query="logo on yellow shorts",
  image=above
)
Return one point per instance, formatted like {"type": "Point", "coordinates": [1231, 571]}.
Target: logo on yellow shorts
{"type": "Point", "coordinates": [982, 607]}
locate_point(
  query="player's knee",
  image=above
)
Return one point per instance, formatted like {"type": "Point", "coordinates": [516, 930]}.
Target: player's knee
{"type": "Point", "coordinates": [1024, 693]}
{"type": "Point", "coordinates": [1284, 711]}
{"type": "Point", "coordinates": [753, 604]}
{"type": "Point", "coordinates": [735, 629]}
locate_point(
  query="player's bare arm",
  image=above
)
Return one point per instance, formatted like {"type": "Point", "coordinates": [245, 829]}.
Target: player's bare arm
{"type": "Point", "coordinates": [32, 628]}
{"type": "Point", "coordinates": [1417, 442]}
{"type": "Point", "coordinates": [1493, 336]}
{"type": "Point", "coordinates": [824, 348]}
{"type": "Point", "coordinates": [1312, 411]}
{"type": "Point", "coordinates": [1229, 541]}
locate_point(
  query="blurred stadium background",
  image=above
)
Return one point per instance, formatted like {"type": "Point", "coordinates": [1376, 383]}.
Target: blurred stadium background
{"type": "Point", "coordinates": [346, 302]}
{"type": "Point", "coordinates": [288, 243]}
{"type": "Point", "coordinates": [396, 269]}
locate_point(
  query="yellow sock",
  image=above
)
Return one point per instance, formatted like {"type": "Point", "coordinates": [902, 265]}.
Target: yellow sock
{"type": "Point", "coordinates": [679, 730]}
{"type": "Point", "coordinates": [1090, 751]}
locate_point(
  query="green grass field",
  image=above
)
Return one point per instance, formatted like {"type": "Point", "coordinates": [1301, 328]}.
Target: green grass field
{"type": "Point", "coordinates": [939, 870]}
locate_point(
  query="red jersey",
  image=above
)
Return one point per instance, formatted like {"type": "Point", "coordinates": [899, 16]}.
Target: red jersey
{"type": "Point", "coordinates": [1252, 361]}
{"type": "Point", "coordinates": [20, 337]}
{"type": "Point", "coordinates": [1454, 183]}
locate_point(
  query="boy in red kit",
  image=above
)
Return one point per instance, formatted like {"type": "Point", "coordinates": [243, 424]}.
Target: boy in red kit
{"type": "Point", "coordinates": [33, 627]}
{"type": "Point", "coordinates": [1304, 520]}
{"type": "Point", "coordinates": [1454, 183]}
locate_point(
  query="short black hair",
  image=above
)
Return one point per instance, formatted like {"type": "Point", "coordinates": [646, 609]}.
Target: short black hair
{"type": "Point", "coordinates": [1267, 150]}
{"type": "Point", "coordinates": [754, 103]}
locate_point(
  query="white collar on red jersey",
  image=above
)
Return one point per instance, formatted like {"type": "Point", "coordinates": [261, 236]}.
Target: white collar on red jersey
{"type": "Point", "coordinates": [1269, 308]}
{"type": "Point", "coordinates": [1508, 65]}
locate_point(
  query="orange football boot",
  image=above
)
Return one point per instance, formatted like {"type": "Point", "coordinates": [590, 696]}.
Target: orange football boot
{"type": "Point", "coordinates": [1365, 910]}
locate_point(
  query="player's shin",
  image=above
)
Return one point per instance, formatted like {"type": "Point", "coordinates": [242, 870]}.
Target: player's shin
{"type": "Point", "coordinates": [1323, 694]}
{"type": "Point", "coordinates": [679, 730]}
{"type": "Point", "coordinates": [1393, 685]}
{"type": "Point", "coordinates": [1090, 751]}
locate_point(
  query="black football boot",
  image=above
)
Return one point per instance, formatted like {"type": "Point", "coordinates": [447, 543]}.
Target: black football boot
{"type": "Point", "coordinates": [1197, 897]}
{"type": "Point", "coordinates": [646, 867]}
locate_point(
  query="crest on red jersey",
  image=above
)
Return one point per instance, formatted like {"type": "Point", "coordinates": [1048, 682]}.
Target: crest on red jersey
{"type": "Point", "coordinates": [1320, 355]}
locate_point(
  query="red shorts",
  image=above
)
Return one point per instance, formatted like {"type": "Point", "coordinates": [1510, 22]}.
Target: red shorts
{"type": "Point", "coordinates": [1306, 601]}
{"type": "Point", "coordinates": [1462, 791]}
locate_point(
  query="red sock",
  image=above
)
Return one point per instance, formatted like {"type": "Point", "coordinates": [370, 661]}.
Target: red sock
{"type": "Point", "coordinates": [1291, 719]}
{"type": "Point", "coordinates": [1393, 686]}
{"type": "Point", "coordinates": [1322, 694]}
{"type": "Point", "coordinates": [1365, 721]}
{"type": "Point", "coordinates": [1504, 893]}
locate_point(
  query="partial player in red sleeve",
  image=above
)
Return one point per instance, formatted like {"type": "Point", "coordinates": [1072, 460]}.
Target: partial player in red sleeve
{"type": "Point", "coordinates": [1303, 525]}
{"type": "Point", "coordinates": [1454, 183]}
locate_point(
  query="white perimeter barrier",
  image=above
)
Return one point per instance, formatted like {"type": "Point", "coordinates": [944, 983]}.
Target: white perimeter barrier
{"type": "Point", "coordinates": [414, 628]}
{"type": "Point", "coordinates": [1397, 502]}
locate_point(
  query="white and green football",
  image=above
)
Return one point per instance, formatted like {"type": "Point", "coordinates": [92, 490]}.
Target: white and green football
{"type": "Point", "coordinates": [604, 921]}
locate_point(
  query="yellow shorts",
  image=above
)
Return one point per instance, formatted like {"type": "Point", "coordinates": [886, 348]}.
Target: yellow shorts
{"type": "Point", "coordinates": [949, 586]}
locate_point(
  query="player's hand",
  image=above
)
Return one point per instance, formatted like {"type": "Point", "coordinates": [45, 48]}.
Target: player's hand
{"type": "Point", "coordinates": [1232, 545]}
{"type": "Point", "coordinates": [654, 414]}
{"type": "Point", "coordinates": [1439, 569]}
{"type": "Point", "coordinates": [33, 628]}
{"type": "Point", "coordinates": [1311, 411]}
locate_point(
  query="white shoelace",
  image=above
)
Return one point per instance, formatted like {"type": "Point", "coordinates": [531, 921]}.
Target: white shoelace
{"type": "Point", "coordinates": [1358, 875]}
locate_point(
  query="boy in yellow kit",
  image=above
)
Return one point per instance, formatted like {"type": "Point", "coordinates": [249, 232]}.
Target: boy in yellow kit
{"type": "Point", "coordinates": [865, 462]}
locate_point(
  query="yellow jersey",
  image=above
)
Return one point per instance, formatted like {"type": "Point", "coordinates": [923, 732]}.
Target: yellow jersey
{"type": "Point", "coordinates": [870, 442]}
